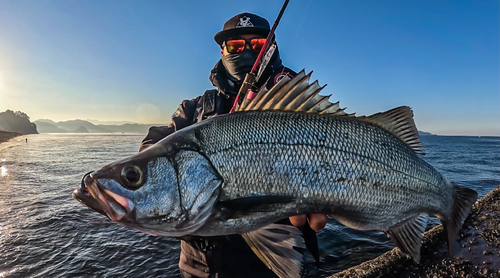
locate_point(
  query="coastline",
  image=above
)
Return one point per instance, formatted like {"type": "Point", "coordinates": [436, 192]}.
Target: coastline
{"type": "Point", "coordinates": [477, 255]}
{"type": "Point", "coordinates": [7, 135]}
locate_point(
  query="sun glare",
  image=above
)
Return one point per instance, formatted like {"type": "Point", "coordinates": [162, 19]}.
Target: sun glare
{"type": "Point", "coordinates": [148, 113]}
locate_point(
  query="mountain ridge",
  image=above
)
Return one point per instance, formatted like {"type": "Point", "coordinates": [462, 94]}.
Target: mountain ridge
{"type": "Point", "coordinates": [78, 125]}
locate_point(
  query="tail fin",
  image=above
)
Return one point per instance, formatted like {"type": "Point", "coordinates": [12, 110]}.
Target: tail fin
{"type": "Point", "coordinates": [462, 204]}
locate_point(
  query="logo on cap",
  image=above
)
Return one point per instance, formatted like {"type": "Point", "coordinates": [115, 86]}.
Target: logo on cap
{"type": "Point", "coordinates": [244, 22]}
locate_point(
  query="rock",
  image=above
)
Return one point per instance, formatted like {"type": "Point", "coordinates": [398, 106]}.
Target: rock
{"type": "Point", "coordinates": [467, 263]}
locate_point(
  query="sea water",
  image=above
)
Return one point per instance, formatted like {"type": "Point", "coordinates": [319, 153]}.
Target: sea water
{"type": "Point", "coordinates": [44, 232]}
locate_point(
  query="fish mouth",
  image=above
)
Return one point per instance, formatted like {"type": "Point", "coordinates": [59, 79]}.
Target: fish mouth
{"type": "Point", "coordinates": [83, 196]}
{"type": "Point", "coordinates": [93, 195]}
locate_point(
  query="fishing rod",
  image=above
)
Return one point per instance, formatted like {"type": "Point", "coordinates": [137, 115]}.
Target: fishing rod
{"type": "Point", "coordinates": [253, 75]}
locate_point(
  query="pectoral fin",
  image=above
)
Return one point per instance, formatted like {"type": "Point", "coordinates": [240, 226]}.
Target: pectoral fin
{"type": "Point", "coordinates": [408, 235]}
{"type": "Point", "coordinates": [280, 248]}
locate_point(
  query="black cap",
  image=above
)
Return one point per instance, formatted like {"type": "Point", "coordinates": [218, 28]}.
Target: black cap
{"type": "Point", "coordinates": [245, 23]}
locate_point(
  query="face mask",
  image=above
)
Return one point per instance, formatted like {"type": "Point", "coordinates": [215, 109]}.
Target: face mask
{"type": "Point", "coordinates": [239, 64]}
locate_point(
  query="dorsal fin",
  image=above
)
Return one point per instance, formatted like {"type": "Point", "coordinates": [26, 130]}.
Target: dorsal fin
{"type": "Point", "coordinates": [298, 95]}
{"type": "Point", "coordinates": [295, 94]}
{"type": "Point", "coordinates": [398, 121]}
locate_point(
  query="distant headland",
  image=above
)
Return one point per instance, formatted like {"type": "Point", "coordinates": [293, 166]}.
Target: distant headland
{"type": "Point", "coordinates": [423, 133]}
{"type": "Point", "coordinates": [14, 124]}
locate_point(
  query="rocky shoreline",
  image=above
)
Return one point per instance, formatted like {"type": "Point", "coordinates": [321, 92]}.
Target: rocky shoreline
{"type": "Point", "coordinates": [7, 135]}
{"type": "Point", "coordinates": [477, 253]}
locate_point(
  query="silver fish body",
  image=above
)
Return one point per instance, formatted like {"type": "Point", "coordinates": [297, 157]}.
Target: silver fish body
{"type": "Point", "coordinates": [288, 152]}
{"type": "Point", "coordinates": [353, 171]}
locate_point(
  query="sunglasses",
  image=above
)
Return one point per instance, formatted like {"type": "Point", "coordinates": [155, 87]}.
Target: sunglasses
{"type": "Point", "coordinates": [237, 46]}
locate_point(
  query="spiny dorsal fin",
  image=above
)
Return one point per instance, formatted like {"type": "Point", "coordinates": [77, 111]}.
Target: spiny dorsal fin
{"type": "Point", "coordinates": [399, 122]}
{"type": "Point", "coordinates": [296, 95]}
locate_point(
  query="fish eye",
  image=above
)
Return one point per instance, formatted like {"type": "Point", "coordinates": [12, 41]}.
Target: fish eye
{"type": "Point", "coordinates": [132, 176]}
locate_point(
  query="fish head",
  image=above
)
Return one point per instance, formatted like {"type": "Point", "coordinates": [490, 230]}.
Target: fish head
{"type": "Point", "coordinates": [160, 195]}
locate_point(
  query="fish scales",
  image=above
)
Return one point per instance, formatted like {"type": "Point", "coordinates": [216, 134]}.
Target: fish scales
{"type": "Point", "coordinates": [289, 152]}
{"type": "Point", "coordinates": [330, 164]}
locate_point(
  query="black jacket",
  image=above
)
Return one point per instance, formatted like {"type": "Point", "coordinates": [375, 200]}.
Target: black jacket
{"type": "Point", "coordinates": [222, 256]}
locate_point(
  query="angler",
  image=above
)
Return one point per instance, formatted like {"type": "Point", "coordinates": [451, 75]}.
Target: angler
{"type": "Point", "coordinates": [242, 39]}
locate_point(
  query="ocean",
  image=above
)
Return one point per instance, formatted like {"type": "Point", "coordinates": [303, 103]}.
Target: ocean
{"type": "Point", "coordinates": [44, 232]}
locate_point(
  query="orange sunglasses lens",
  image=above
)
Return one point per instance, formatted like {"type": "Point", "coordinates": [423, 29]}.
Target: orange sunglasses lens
{"type": "Point", "coordinates": [258, 44]}
{"type": "Point", "coordinates": [235, 46]}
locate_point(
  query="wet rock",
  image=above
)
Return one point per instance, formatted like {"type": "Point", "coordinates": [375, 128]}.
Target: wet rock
{"type": "Point", "coordinates": [479, 239]}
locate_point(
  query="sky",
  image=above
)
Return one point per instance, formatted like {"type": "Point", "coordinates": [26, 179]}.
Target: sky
{"type": "Point", "coordinates": [137, 60]}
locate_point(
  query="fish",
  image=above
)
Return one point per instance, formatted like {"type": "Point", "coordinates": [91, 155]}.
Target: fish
{"type": "Point", "coordinates": [289, 151]}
